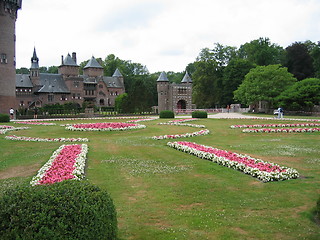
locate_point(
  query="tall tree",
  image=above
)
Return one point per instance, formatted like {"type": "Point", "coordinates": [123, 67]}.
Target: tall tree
{"type": "Point", "coordinates": [262, 52]}
{"type": "Point", "coordinates": [315, 54]}
{"type": "Point", "coordinates": [233, 76]}
{"type": "Point", "coordinates": [264, 83]}
{"type": "Point", "coordinates": [298, 61]}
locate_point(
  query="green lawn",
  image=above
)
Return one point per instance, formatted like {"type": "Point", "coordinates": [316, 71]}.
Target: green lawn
{"type": "Point", "coordinates": [161, 193]}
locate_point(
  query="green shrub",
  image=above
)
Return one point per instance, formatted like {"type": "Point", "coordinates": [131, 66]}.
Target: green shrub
{"type": "Point", "coordinates": [4, 118]}
{"type": "Point", "coordinates": [199, 114]}
{"type": "Point", "coordinates": [166, 114]}
{"type": "Point", "coordinates": [66, 210]}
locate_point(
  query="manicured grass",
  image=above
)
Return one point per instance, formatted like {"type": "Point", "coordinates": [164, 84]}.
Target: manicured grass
{"type": "Point", "coordinates": [161, 193]}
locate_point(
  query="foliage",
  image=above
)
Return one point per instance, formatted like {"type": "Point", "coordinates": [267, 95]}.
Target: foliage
{"type": "Point", "coordinates": [303, 95]}
{"type": "Point", "coordinates": [166, 114]}
{"type": "Point", "coordinates": [233, 76]}
{"type": "Point", "coordinates": [262, 52]}
{"type": "Point", "coordinates": [318, 210]}
{"type": "Point", "coordinates": [199, 114]}
{"type": "Point", "coordinates": [122, 103]}
{"type": "Point", "coordinates": [298, 61]}
{"type": "Point", "coordinates": [4, 117]}
{"type": "Point", "coordinates": [67, 210]}
{"type": "Point", "coordinates": [22, 70]}
{"type": "Point", "coordinates": [264, 83]}
{"type": "Point", "coordinates": [315, 54]}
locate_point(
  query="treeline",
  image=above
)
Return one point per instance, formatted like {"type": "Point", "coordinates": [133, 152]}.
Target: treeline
{"type": "Point", "coordinates": [217, 73]}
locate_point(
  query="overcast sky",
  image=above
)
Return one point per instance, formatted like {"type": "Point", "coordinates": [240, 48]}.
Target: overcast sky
{"type": "Point", "coordinates": [164, 35]}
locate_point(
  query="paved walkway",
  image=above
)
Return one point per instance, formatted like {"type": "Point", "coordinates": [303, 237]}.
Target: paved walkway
{"type": "Point", "coordinates": [231, 115]}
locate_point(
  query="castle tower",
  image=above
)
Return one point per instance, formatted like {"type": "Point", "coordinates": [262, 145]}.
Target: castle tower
{"type": "Point", "coordinates": [8, 16]}
{"type": "Point", "coordinates": [34, 69]}
{"type": "Point", "coordinates": [93, 68]}
{"type": "Point", "coordinates": [69, 66]}
{"type": "Point", "coordinates": [163, 89]}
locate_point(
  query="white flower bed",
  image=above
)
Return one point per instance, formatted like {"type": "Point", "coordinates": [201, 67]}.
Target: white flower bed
{"type": "Point", "coordinates": [193, 134]}
{"type": "Point", "coordinates": [280, 130]}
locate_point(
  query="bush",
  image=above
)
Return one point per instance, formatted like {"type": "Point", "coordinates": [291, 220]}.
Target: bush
{"type": "Point", "coordinates": [318, 211]}
{"type": "Point", "coordinates": [66, 210]}
{"type": "Point", "coordinates": [199, 114]}
{"type": "Point", "coordinates": [166, 114]}
{"type": "Point", "coordinates": [4, 118]}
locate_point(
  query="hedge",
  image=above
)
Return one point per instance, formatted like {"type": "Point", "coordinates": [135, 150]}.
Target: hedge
{"type": "Point", "coordinates": [66, 210]}
{"type": "Point", "coordinates": [199, 114]}
{"type": "Point", "coordinates": [166, 114]}
{"type": "Point", "coordinates": [4, 118]}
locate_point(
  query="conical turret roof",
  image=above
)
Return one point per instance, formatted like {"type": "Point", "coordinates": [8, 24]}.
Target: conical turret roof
{"type": "Point", "coordinates": [163, 77]}
{"type": "Point", "coordinates": [34, 60]}
{"type": "Point", "coordinates": [117, 73]}
{"type": "Point", "coordinates": [93, 63]}
{"type": "Point", "coordinates": [68, 61]}
{"type": "Point", "coordinates": [186, 78]}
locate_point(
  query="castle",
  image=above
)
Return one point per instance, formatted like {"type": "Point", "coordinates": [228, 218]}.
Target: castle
{"type": "Point", "coordinates": [8, 16]}
{"type": "Point", "coordinates": [38, 89]}
{"type": "Point", "coordinates": [174, 97]}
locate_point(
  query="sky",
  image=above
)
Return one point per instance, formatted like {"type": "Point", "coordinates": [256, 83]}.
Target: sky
{"type": "Point", "coordinates": [163, 35]}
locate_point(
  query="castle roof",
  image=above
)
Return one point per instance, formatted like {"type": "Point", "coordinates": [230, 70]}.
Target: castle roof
{"type": "Point", "coordinates": [34, 60]}
{"type": "Point", "coordinates": [163, 77]}
{"type": "Point", "coordinates": [186, 78]}
{"type": "Point", "coordinates": [68, 61]}
{"type": "Point", "coordinates": [93, 63]}
{"type": "Point", "coordinates": [117, 73]}
{"type": "Point", "coordinates": [113, 82]}
{"type": "Point", "coordinates": [23, 81]}
{"type": "Point", "coordinates": [52, 83]}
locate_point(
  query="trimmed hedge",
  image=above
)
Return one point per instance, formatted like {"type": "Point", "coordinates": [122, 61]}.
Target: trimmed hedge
{"type": "Point", "coordinates": [199, 114]}
{"type": "Point", "coordinates": [66, 210]}
{"type": "Point", "coordinates": [166, 114]}
{"type": "Point", "coordinates": [4, 118]}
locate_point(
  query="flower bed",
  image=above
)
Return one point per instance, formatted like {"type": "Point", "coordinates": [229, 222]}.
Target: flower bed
{"type": "Point", "coordinates": [183, 124]}
{"type": "Point", "coordinates": [4, 131]}
{"type": "Point", "coordinates": [36, 123]}
{"type": "Point", "coordinates": [277, 125]}
{"type": "Point", "coordinates": [67, 162]}
{"type": "Point", "coordinates": [194, 134]}
{"type": "Point", "coordinates": [5, 127]}
{"type": "Point", "coordinates": [104, 126]}
{"type": "Point", "coordinates": [264, 171]}
{"type": "Point", "coordinates": [280, 130]}
{"type": "Point", "coordinates": [36, 139]}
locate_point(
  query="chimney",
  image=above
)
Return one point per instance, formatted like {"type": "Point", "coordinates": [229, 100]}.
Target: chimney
{"type": "Point", "coordinates": [61, 59]}
{"type": "Point", "coordinates": [74, 57]}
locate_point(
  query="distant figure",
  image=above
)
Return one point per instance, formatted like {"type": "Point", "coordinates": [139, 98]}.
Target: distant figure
{"type": "Point", "coordinates": [11, 111]}
{"type": "Point", "coordinates": [35, 113]}
{"type": "Point", "coordinates": [253, 109]}
{"type": "Point", "coordinates": [280, 112]}
{"type": "Point", "coordinates": [228, 108]}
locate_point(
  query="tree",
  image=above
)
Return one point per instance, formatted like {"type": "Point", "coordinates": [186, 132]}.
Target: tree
{"type": "Point", "coordinates": [315, 54]}
{"type": "Point", "coordinates": [122, 103]}
{"type": "Point", "coordinates": [22, 70]}
{"type": "Point", "coordinates": [303, 95]}
{"type": "Point", "coordinates": [262, 52]}
{"type": "Point", "coordinates": [264, 83]}
{"type": "Point", "coordinates": [233, 76]}
{"type": "Point", "coordinates": [298, 61]}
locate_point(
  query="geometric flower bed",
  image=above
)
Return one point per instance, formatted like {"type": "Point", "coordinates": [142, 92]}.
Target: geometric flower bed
{"type": "Point", "coordinates": [264, 171]}
{"type": "Point", "coordinates": [104, 126]}
{"type": "Point", "coordinates": [141, 120]}
{"type": "Point", "coordinates": [5, 130]}
{"type": "Point", "coordinates": [5, 127]}
{"type": "Point", "coordinates": [36, 139]}
{"type": "Point", "coordinates": [283, 125]}
{"type": "Point", "coordinates": [67, 162]}
{"type": "Point", "coordinates": [193, 134]}
{"type": "Point", "coordinates": [36, 123]}
{"type": "Point", "coordinates": [280, 130]}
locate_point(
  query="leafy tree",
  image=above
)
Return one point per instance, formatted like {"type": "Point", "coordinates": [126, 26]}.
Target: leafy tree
{"type": "Point", "coordinates": [264, 83]}
{"type": "Point", "coordinates": [122, 103]}
{"type": "Point", "coordinates": [53, 69]}
{"type": "Point", "coordinates": [315, 54]}
{"type": "Point", "coordinates": [22, 70]}
{"type": "Point", "coordinates": [298, 61]}
{"type": "Point", "coordinates": [233, 76]}
{"type": "Point", "coordinates": [262, 52]}
{"type": "Point", "coordinates": [303, 95]}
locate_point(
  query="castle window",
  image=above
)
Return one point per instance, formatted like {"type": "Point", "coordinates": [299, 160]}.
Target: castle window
{"type": "Point", "coordinates": [50, 98]}
{"type": "Point", "coordinates": [100, 86]}
{"type": "Point", "coordinates": [76, 83]}
{"type": "Point", "coordinates": [3, 58]}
